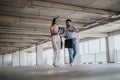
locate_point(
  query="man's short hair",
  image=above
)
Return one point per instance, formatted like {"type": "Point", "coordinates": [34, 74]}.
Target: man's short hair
{"type": "Point", "coordinates": [68, 20]}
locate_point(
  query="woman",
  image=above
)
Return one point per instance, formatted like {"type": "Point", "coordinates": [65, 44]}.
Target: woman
{"type": "Point", "coordinates": [56, 42]}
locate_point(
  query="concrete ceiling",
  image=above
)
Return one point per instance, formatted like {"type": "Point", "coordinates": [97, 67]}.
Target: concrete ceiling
{"type": "Point", "coordinates": [112, 5]}
{"type": "Point", "coordinates": [26, 22]}
{"type": "Point", "coordinates": [101, 31]}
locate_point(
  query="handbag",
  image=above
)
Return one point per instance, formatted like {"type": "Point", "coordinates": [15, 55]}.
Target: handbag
{"type": "Point", "coordinates": [61, 45]}
{"type": "Point", "coordinates": [68, 43]}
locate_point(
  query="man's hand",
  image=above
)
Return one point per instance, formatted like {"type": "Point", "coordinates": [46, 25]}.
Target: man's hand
{"type": "Point", "coordinates": [66, 37]}
{"type": "Point", "coordinates": [76, 30]}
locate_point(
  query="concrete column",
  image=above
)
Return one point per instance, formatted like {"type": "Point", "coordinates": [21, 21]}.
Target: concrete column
{"type": "Point", "coordinates": [39, 54]}
{"type": "Point", "coordinates": [16, 59]}
{"type": "Point", "coordinates": [107, 49]}
{"type": "Point", "coordinates": [1, 60]}
{"type": "Point", "coordinates": [110, 47]}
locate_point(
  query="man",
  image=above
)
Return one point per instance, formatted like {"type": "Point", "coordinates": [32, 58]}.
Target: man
{"type": "Point", "coordinates": [70, 33]}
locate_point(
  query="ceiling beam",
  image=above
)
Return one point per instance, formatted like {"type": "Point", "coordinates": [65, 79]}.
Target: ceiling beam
{"type": "Point", "coordinates": [22, 29]}
{"type": "Point", "coordinates": [93, 34]}
{"type": "Point", "coordinates": [20, 36]}
{"type": "Point", "coordinates": [8, 49]}
{"type": "Point", "coordinates": [70, 7]}
{"type": "Point", "coordinates": [8, 52]}
{"type": "Point", "coordinates": [13, 44]}
{"type": "Point", "coordinates": [24, 24]}
{"type": "Point", "coordinates": [37, 4]}
{"type": "Point", "coordinates": [18, 19]}
{"type": "Point", "coordinates": [114, 33]}
{"type": "Point", "coordinates": [45, 17]}
{"type": "Point", "coordinates": [88, 39]}
{"type": "Point", "coordinates": [19, 40]}
{"type": "Point", "coordinates": [23, 19]}
{"type": "Point", "coordinates": [24, 32]}
{"type": "Point", "coordinates": [107, 20]}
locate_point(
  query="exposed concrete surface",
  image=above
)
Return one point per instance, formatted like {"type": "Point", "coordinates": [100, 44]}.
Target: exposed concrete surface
{"type": "Point", "coordinates": [81, 72]}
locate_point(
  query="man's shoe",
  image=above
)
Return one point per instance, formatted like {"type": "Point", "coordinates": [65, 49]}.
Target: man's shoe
{"type": "Point", "coordinates": [55, 65]}
{"type": "Point", "coordinates": [71, 64]}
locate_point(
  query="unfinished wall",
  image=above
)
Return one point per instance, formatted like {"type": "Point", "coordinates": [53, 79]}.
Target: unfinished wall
{"type": "Point", "coordinates": [31, 59]}
{"type": "Point", "coordinates": [7, 60]}
{"type": "Point", "coordinates": [0, 60]}
{"type": "Point", "coordinates": [23, 58]}
{"type": "Point", "coordinates": [16, 59]}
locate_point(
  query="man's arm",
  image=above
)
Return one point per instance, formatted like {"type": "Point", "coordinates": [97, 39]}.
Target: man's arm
{"type": "Point", "coordinates": [74, 29]}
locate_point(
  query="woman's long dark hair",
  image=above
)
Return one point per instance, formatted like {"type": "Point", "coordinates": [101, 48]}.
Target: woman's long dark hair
{"type": "Point", "coordinates": [53, 21]}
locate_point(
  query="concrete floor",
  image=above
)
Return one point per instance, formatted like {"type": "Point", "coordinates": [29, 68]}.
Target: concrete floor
{"type": "Point", "coordinates": [81, 72]}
